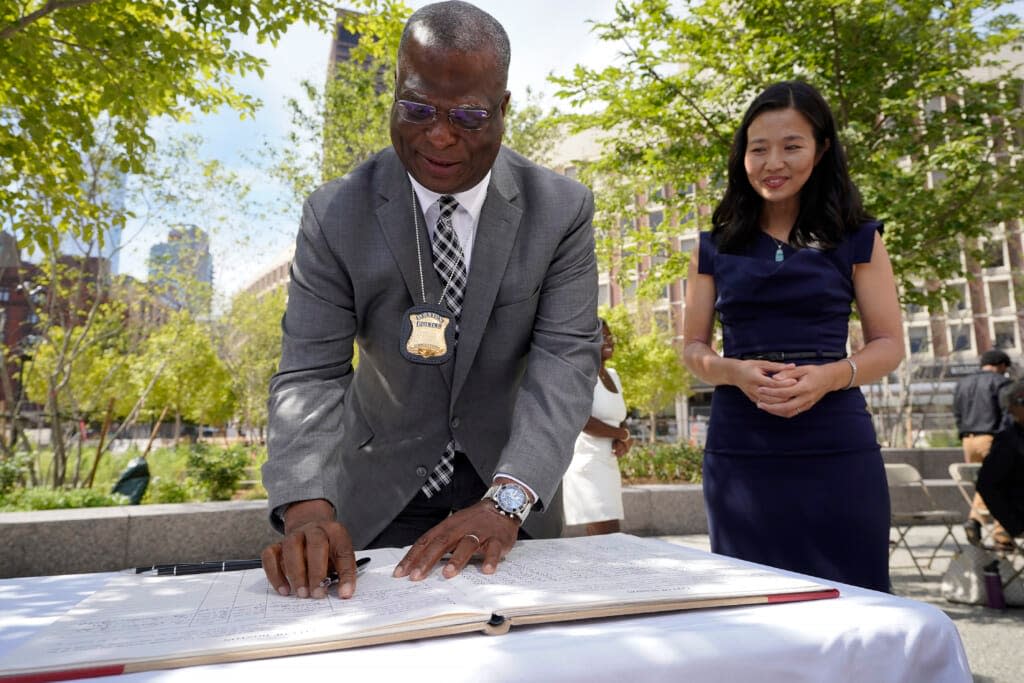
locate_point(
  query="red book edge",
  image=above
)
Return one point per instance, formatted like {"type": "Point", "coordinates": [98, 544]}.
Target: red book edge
{"type": "Point", "coordinates": [799, 597]}
{"type": "Point", "coordinates": [66, 674]}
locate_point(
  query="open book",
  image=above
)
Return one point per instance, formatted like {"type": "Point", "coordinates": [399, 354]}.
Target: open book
{"type": "Point", "coordinates": [142, 623]}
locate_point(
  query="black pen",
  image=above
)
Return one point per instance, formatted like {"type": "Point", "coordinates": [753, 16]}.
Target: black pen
{"type": "Point", "coordinates": [184, 569]}
{"type": "Point", "coordinates": [180, 569]}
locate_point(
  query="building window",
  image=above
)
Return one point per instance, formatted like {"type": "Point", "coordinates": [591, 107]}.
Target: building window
{"type": "Point", "coordinates": [629, 291]}
{"type": "Point", "coordinates": [1005, 334]}
{"type": "Point", "coordinates": [960, 336]}
{"type": "Point", "coordinates": [957, 306]}
{"type": "Point", "coordinates": [918, 335]}
{"type": "Point", "coordinates": [655, 218]}
{"type": "Point", "coordinates": [999, 295]}
{"type": "Point", "coordinates": [662, 320]}
{"type": "Point", "coordinates": [993, 254]}
{"type": "Point", "coordinates": [5, 294]}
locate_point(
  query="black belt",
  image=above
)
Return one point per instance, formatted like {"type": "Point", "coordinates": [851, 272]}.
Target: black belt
{"type": "Point", "coordinates": [782, 356]}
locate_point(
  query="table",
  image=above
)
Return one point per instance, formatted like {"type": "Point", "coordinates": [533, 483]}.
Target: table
{"type": "Point", "coordinates": [861, 636]}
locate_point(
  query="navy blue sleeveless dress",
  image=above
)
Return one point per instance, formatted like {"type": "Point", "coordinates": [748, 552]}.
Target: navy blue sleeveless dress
{"type": "Point", "coordinates": [806, 493]}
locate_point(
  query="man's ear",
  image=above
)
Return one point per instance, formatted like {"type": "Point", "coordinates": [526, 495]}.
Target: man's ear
{"type": "Point", "coordinates": [504, 103]}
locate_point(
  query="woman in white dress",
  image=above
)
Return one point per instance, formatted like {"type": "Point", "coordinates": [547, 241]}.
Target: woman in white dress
{"type": "Point", "coordinates": [592, 487]}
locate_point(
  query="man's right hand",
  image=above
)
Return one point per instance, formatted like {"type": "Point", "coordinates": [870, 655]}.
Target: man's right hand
{"type": "Point", "coordinates": [314, 543]}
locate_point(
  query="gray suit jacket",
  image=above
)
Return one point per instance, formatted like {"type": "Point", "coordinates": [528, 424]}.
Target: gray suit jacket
{"type": "Point", "coordinates": [515, 396]}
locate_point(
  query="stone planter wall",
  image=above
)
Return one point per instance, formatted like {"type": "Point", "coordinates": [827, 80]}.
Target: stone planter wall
{"type": "Point", "coordinates": [109, 539]}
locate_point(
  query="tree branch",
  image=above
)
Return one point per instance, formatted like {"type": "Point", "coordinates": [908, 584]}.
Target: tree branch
{"type": "Point", "coordinates": [49, 8]}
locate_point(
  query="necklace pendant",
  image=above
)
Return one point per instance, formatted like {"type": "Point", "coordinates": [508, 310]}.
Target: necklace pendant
{"type": "Point", "coordinates": [779, 256]}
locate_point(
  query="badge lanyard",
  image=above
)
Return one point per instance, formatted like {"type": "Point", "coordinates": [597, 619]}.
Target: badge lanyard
{"type": "Point", "coordinates": [428, 330]}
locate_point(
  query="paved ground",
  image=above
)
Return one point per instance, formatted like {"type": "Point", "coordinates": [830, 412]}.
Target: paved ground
{"type": "Point", "coordinates": [994, 640]}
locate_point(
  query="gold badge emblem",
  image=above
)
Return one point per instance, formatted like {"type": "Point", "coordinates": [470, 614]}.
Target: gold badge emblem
{"type": "Point", "coordinates": [427, 334]}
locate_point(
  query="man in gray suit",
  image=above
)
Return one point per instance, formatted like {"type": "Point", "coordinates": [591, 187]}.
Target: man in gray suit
{"type": "Point", "coordinates": [467, 276]}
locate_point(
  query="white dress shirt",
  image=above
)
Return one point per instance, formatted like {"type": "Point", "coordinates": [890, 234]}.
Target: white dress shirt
{"type": "Point", "coordinates": [464, 220]}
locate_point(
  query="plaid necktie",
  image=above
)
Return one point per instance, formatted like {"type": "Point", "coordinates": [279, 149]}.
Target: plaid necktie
{"type": "Point", "coordinates": [448, 259]}
{"type": "Point", "coordinates": [451, 267]}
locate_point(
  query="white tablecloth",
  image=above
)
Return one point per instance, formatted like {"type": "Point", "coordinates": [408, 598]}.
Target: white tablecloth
{"type": "Point", "coordinates": [861, 636]}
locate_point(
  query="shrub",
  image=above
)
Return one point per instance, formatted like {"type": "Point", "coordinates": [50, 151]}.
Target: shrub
{"type": "Point", "coordinates": [662, 462]}
{"type": "Point", "coordinates": [57, 499]}
{"type": "Point", "coordinates": [163, 490]}
{"type": "Point", "coordinates": [12, 472]}
{"type": "Point", "coordinates": [217, 471]}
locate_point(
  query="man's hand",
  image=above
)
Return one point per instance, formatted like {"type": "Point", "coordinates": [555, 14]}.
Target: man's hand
{"type": "Point", "coordinates": [314, 543]}
{"type": "Point", "coordinates": [478, 528]}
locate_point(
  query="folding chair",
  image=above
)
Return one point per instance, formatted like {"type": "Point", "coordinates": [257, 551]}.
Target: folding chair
{"type": "Point", "coordinates": [905, 478]}
{"type": "Point", "coordinates": [1015, 559]}
{"type": "Point", "coordinates": [965, 475]}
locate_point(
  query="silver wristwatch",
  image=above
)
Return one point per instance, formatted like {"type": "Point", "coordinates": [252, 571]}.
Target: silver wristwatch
{"type": "Point", "coordinates": [510, 499]}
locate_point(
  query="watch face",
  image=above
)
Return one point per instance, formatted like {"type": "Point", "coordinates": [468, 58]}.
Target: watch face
{"type": "Point", "coordinates": [510, 498]}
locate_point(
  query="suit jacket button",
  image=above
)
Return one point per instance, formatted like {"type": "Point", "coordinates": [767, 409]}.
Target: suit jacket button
{"type": "Point", "coordinates": [421, 471]}
{"type": "Point", "coordinates": [455, 423]}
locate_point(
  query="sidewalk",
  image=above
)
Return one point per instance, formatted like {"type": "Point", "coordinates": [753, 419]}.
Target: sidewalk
{"type": "Point", "coordinates": [993, 640]}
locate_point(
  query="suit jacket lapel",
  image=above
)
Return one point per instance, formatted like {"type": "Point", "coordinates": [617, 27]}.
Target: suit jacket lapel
{"type": "Point", "coordinates": [395, 217]}
{"type": "Point", "coordinates": [495, 234]}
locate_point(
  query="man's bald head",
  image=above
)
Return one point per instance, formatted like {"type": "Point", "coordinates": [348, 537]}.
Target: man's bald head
{"type": "Point", "coordinates": [461, 27]}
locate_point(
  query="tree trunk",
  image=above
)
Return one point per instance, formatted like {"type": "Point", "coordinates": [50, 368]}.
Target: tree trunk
{"type": "Point", "coordinates": [56, 440]}
{"type": "Point", "coordinates": [99, 448]}
{"type": "Point", "coordinates": [156, 429]}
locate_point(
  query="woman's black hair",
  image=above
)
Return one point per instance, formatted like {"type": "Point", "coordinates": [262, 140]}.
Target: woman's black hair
{"type": "Point", "coordinates": [830, 204]}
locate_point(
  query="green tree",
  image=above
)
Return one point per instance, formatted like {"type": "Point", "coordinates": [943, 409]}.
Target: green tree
{"type": "Point", "coordinates": [73, 69]}
{"type": "Point", "coordinates": [74, 356]}
{"type": "Point", "coordinates": [249, 340]}
{"type": "Point", "coordinates": [648, 365]}
{"type": "Point", "coordinates": [187, 377]}
{"type": "Point", "coordinates": [338, 125]}
{"type": "Point", "coordinates": [530, 130]}
{"type": "Point", "coordinates": [937, 175]}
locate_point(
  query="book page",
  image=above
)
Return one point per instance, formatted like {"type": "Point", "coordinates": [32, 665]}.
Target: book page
{"type": "Point", "coordinates": [148, 617]}
{"type": "Point", "coordinates": [571, 573]}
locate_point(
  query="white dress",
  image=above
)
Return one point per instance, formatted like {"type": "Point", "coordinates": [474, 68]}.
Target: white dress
{"type": "Point", "coordinates": [592, 487]}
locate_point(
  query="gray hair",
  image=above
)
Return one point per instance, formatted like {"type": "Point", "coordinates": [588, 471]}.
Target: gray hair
{"type": "Point", "coordinates": [459, 26]}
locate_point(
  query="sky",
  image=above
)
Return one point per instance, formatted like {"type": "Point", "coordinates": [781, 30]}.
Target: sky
{"type": "Point", "coordinates": [545, 36]}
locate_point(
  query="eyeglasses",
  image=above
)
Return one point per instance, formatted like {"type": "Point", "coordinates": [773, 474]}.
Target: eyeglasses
{"type": "Point", "coordinates": [421, 114]}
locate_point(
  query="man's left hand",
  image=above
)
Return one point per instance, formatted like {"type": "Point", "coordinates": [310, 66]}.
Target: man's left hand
{"type": "Point", "coordinates": [476, 529]}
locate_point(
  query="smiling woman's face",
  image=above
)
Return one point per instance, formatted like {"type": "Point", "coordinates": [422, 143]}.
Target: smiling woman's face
{"type": "Point", "coordinates": [780, 155]}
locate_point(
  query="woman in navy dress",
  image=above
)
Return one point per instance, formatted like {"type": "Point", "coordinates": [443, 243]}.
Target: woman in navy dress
{"type": "Point", "coordinates": [793, 474]}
